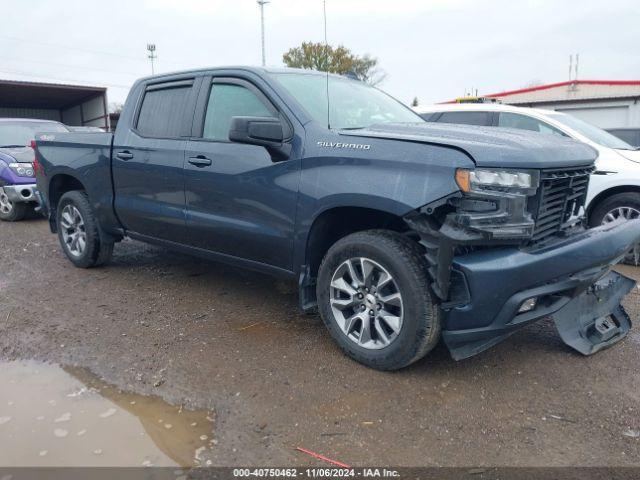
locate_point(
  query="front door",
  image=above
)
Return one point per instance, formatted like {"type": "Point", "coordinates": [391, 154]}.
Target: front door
{"type": "Point", "coordinates": [240, 202]}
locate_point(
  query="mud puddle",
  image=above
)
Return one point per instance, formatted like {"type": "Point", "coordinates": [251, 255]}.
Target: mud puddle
{"type": "Point", "coordinates": [65, 416]}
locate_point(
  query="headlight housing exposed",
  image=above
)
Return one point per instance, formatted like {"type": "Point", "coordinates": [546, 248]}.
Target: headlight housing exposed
{"type": "Point", "coordinates": [22, 169]}
{"type": "Point", "coordinates": [495, 201]}
{"type": "Point", "coordinates": [488, 179]}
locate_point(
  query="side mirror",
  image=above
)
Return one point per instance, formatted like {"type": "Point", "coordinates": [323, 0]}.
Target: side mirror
{"type": "Point", "coordinates": [264, 131]}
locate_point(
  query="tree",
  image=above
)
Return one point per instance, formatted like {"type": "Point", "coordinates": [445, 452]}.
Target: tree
{"type": "Point", "coordinates": [415, 102]}
{"type": "Point", "coordinates": [340, 60]}
{"type": "Point", "coordinates": [116, 107]}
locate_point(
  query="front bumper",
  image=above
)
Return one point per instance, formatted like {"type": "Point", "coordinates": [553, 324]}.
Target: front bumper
{"type": "Point", "coordinates": [21, 193]}
{"type": "Point", "coordinates": [568, 279]}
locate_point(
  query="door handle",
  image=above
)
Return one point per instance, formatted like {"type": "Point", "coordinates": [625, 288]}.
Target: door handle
{"type": "Point", "coordinates": [124, 155]}
{"type": "Point", "coordinates": [200, 161]}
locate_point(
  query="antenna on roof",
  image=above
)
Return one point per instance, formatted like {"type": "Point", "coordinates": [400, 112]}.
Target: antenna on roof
{"type": "Point", "coordinates": [326, 59]}
{"type": "Point", "coordinates": [570, 66]}
{"type": "Point", "coordinates": [577, 62]}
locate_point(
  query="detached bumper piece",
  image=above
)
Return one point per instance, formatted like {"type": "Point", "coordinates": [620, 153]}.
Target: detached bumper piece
{"type": "Point", "coordinates": [489, 289]}
{"type": "Point", "coordinates": [596, 319]}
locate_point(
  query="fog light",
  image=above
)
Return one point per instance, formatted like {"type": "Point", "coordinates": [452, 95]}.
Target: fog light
{"type": "Point", "coordinates": [528, 305]}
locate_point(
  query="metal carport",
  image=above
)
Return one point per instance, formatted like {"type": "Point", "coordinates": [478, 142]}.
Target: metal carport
{"type": "Point", "coordinates": [74, 105]}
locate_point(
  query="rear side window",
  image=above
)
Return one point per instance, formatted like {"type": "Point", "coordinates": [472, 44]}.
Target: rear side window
{"type": "Point", "coordinates": [466, 118]}
{"type": "Point", "coordinates": [227, 101]}
{"type": "Point", "coordinates": [523, 122]}
{"type": "Point", "coordinates": [163, 111]}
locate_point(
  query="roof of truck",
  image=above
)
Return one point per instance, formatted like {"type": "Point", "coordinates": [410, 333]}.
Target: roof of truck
{"type": "Point", "coordinates": [248, 68]}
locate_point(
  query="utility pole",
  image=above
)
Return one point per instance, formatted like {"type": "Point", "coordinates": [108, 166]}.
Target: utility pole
{"type": "Point", "coordinates": [262, 4]}
{"type": "Point", "coordinates": [151, 48]}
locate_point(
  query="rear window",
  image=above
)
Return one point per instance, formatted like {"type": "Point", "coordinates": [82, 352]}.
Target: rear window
{"type": "Point", "coordinates": [466, 118]}
{"type": "Point", "coordinates": [163, 111]}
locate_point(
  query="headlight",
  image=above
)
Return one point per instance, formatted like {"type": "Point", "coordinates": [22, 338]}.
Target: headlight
{"type": "Point", "coordinates": [483, 179]}
{"type": "Point", "coordinates": [22, 169]}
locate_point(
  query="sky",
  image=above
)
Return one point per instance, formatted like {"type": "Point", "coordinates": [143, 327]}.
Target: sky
{"type": "Point", "coordinates": [434, 50]}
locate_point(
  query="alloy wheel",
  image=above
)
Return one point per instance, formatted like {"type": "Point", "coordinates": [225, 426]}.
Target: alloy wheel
{"type": "Point", "coordinates": [625, 213]}
{"type": "Point", "coordinates": [366, 303]}
{"type": "Point", "coordinates": [73, 230]}
{"type": "Point", "coordinates": [5, 204]}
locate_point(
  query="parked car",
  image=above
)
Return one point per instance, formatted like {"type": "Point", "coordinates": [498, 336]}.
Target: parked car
{"type": "Point", "coordinates": [17, 180]}
{"type": "Point", "coordinates": [87, 129]}
{"type": "Point", "coordinates": [400, 232]}
{"type": "Point", "coordinates": [614, 189]}
{"type": "Point", "coordinates": [628, 135]}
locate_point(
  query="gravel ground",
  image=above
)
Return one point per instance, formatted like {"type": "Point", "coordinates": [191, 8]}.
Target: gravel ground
{"type": "Point", "coordinates": [209, 336]}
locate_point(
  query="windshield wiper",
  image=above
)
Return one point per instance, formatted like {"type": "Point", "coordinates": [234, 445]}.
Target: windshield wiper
{"type": "Point", "coordinates": [13, 146]}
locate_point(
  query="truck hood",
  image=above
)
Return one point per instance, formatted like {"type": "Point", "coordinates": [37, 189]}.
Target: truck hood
{"type": "Point", "coordinates": [19, 154]}
{"type": "Point", "coordinates": [488, 146]}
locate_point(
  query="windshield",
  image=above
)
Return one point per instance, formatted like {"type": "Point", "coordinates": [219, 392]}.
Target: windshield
{"type": "Point", "coordinates": [593, 133]}
{"type": "Point", "coordinates": [20, 133]}
{"type": "Point", "coordinates": [353, 104]}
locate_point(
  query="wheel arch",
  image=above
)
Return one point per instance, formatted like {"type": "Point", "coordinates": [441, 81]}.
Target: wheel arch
{"type": "Point", "coordinates": [330, 226]}
{"type": "Point", "coordinates": [60, 184]}
{"type": "Point", "coordinates": [603, 195]}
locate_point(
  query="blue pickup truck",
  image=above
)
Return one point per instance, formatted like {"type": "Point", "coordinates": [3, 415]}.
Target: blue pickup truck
{"type": "Point", "coordinates": [399, 232]}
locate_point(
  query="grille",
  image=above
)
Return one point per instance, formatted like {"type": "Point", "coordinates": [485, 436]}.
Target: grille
{"type": "Point", "coordinates": [561, 195]}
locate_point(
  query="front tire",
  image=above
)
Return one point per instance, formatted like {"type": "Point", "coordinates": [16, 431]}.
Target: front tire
{"type": "Point", "coordinates": [624, 206]}
{"type": "Point", "coordinates": [10, 211]}
{"type": "Point", "coordinates": [79, 233]}
{"type": "Point", "coordinates": [374, 298]}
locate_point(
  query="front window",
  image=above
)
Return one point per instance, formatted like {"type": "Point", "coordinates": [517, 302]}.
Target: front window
{"type": "Point", "coordinates": [20, 133]}
{"type": "Point", "coordinates": [352, 104]}
{"type": "Point", "coordinates": [227, 101]}
{"type": "Point", "coordinates": [593, 133]}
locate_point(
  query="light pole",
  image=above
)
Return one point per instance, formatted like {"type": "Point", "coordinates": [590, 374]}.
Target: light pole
{"type": "Point", "coordinates": [151, 48]}
{"type": "Point", "coordinates": [262, 4]}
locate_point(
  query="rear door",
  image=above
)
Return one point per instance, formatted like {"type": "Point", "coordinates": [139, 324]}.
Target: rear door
{"type": "Point", "coordinates": [240, 201]}
{"type": "Point", "coordinates": [148, 161]}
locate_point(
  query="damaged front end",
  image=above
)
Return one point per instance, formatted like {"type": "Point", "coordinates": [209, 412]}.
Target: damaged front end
{"type": "Point", "coordinates": [507, 252]}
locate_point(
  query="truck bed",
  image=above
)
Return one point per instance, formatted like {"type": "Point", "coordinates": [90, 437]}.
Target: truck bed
{"type": "Point", "coordinates": [78, 155]}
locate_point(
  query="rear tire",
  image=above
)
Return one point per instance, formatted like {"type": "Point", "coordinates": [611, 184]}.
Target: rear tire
{"type": "Point", "coordinates": [415, 327]}
{"type": "Point", "coordinates": [621, 205]}
{"type": "Point", "coordinates": [79, 233]}
{"type": "Point", "coordinates": [10, 211]}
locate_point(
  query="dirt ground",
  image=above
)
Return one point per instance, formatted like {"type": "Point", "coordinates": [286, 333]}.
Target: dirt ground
{"type": "Point", "coordinates": [212, 337]}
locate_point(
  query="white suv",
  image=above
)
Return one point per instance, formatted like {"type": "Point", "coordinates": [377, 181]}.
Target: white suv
{"type": "Point", "coordinates": [614, 189]}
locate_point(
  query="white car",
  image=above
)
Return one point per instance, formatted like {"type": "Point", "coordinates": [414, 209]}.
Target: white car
{"type": "Point", "coordinates": [614, 189]}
